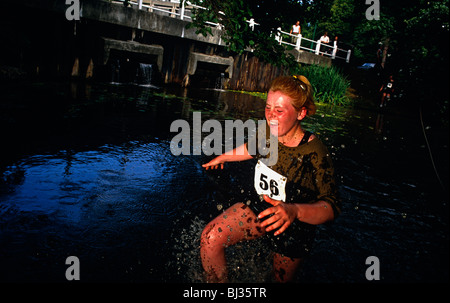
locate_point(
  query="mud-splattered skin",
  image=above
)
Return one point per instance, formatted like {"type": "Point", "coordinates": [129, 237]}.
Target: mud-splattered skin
{"type": "Point", "coordinates": [225, 230]}
{"type": "Point", "coordinates": [310, 194]}
{"type": "Point", "coordinates": [310, 175]}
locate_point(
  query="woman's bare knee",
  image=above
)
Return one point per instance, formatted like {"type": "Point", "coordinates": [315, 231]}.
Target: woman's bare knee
{"type": "Point", "coordinates": [211, 238]}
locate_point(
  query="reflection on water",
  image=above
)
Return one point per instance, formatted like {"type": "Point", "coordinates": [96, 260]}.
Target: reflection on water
{"type": "Point", "coordinates": [88, 172]}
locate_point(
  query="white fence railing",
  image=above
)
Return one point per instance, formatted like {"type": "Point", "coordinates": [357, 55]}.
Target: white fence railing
{"type": "Point", "coordinates": [174, 9]}
{"type": "Point", "coordinates": [320, 48]}
{"type": "Point", "coordinates": [182, 10]}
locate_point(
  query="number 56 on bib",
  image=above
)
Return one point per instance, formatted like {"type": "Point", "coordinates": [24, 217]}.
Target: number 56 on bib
{"type": "Point", "coordinates": [270, 183]}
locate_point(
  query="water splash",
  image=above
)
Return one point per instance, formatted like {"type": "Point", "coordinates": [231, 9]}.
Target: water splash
{"type": "Point", "coordinates": [248, 261]}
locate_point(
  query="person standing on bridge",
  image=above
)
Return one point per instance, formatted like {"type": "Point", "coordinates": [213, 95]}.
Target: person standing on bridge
{"type": "Point", "coordinates": [295, 30]}
{"type": "Point", "coordinates": [324, 40]}
{"type": "Point", "coordinates": [291, 197]}
{"type": "Point", "coordinates": [335, 46]}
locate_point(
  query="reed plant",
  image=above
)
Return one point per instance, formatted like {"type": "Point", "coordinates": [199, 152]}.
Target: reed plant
{"type": "Point", "coordinates": [329, 85]}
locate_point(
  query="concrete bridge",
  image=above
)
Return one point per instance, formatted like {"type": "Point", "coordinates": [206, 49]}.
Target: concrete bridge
{"type": "Point", "coordinates": [156, 31]}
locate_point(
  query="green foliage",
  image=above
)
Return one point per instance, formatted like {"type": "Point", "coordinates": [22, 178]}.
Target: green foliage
{"type": "Point", "coordinates": [426, 61]}
{"type": "Point", "coordinates": [329, 85]}
{"type": "Point", "coordinates": [367, 34]}
{"type": "Point", "coordinates": [233, 17]}
{"type": "Point", "coordinates": [340, 13]}
{"type": "Point", "coordinates": [415, 31]}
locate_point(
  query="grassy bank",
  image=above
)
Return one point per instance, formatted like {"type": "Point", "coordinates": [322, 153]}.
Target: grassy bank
{"type": "Point", "coordinates": [329, 85]}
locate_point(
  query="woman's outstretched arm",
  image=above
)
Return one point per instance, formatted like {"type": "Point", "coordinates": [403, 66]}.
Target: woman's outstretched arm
{"type": "Point", "coordinates": [240, 153]}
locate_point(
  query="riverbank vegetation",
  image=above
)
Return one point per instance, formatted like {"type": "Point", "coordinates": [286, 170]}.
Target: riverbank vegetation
{"type": "Point", "coordinates": [329, 84]}
{"type": "Point", "coordinates": [412, 36]}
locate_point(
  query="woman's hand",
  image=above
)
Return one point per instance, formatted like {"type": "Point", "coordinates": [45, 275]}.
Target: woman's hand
{"type": "Point", "coordinates": [283, 215]}
{"type": "Point", "coordinates": [214, 163]}
{"type": "Point", "coordinates": [238, 154]}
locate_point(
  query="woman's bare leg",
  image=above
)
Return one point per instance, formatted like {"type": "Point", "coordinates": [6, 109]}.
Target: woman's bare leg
{"type": "Point", "coordinates": [285, 267]}
{"type": "Point", "coordinates": [237, 223]}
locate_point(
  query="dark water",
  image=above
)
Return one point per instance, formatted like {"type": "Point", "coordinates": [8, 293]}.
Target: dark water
{"type": "Point", "coordinates": [86, 171]}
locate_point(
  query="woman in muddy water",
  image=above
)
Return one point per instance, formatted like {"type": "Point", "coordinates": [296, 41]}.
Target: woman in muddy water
{"type": "Point", "coordinates": [296, 193]}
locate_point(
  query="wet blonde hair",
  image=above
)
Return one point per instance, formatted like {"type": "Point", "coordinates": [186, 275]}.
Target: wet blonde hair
{"type": "Point", "coordinates": [299, 89]}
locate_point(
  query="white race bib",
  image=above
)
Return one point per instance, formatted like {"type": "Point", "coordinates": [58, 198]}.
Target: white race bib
{"type": "Point", "coordinates": [270, 183]}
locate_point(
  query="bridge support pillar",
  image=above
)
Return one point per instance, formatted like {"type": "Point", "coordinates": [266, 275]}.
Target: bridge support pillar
{"type": "Point", "coordinates": [222, 64]}
{"type": "Point", "coordinates": [310, 58]}
{"type": "Point", "coordinates": [133, 47]}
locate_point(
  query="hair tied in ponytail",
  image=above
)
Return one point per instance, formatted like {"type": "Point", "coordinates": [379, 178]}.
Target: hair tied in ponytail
{"type": "Point", "coordinates": [301, 82]}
